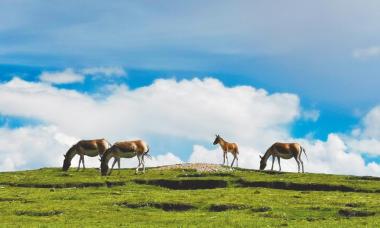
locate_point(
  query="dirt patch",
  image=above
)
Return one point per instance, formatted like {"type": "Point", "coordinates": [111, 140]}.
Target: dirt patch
{"type": "Point", "coordinates": [299, 186]}
{"type": "Point", "coordinates": [355, 213]}
{"type": "Point", "coordinates": [261, 209]}
{"type": "Point", "coordinates": [163, 206]}
{"type": "Point", "coordinates": [39, 213]}
{"type": "Point", "coordinates": [198, 167]}
{"type": "Point", "coordinates": [185, 184]}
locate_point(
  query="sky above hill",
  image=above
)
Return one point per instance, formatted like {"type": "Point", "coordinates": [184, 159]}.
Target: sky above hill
{"type": "Point", "coordinates": [177, 73]}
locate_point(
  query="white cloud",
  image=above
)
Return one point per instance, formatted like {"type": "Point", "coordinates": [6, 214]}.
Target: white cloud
{"type": "Point", "coordinates": [362, 53]}
{"type": "Point", "coordinates": [193, 109]}
{"type": "Point", "coordinates": [61, 77]}
{"type": "Point", "coordinates": [32, 147]}
{"type": "Point", "coordinates": [371, 123]}
{"type": "Point", "coordinates": [248, 157]}
{"type": "Point", "coordinates": [365, 139]}
{"type": "Point", "coordinates": [334, 156]}
{"type": "Point", "coordinates": [330, 156]}
{"type": "Point", "coordinates": [188, 110]}
{"type": "Point", "coordinates": [312, 115]}
{"type": "Point", "coordinates": [106, 71]}
{"type": "Point", "coordinates": [367, 146]}
{"type": "Point", "coordinates": [68, 75]}
{"type": "Point", "coordinates": [43, 146]}
{"type": "Point", "coordinates": [163, 159]}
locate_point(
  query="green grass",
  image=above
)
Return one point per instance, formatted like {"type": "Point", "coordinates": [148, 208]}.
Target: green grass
{"type": "Point", "coordinates": [51, 198]}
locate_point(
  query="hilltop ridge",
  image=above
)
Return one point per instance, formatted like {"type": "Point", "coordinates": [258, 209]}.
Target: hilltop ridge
{"type": "Point", "coordinates": [187, 195]}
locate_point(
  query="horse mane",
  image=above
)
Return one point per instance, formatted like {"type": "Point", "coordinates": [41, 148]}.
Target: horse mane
{"type": "Point", "coordinates": [71, 150]}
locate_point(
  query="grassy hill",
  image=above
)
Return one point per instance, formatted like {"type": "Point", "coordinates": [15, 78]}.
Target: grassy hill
{"type": "Point", "coordinates": [184, 196]}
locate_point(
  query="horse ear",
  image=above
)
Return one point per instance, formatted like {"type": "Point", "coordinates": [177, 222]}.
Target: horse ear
{"type": "Point", "coordinates": [260, 156]}
{"type": "Point", "coordinates": [64, 155]}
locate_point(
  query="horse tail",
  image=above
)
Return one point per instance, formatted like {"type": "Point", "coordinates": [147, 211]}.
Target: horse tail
{"type": "Point", "coordinates": [303, 149]}
{"type": "Point", "coordinates": [146, 153]}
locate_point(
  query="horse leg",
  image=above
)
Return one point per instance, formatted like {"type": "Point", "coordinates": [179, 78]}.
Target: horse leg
{"type": "Point", "coordinates": [83, 163]}
{"type": "Point", "coordinates": [278, 159]}
{"type": "Point", "coordinates": [113, 164]}
{"type": "Point", "coordinates": [273, 159]}
{"type": "Point", "coordinates": [226, 153]}
{"type": "Point", "coordinates": [224, 157]}
{"type": "Point", "coordinates": [237, 161]}
{"type": "Point", "coordinates": [301, 164]}
{"type": "Point", "coordinates": [143, 163]}
{"type": "Point", "coordinates": [298, 164]}
{"type": "Point", "coordinates": [118, 164]}
{"type": "Point", "coordinates": [80, 160]}
{"type": "Point", "coordinates": [137, 168]}
{"type": "Point", "coordinates": [232, 163]}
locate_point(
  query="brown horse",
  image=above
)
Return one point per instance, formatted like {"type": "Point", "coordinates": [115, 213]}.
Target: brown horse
{"type": "Point", "coordinates": [125, 149]}
{"type": "Point", "coordinates": [89, 148]}
{"type": "Point", "coordinates": [285, 151]}
{"type": "Point", "coordinates": [227, 147]}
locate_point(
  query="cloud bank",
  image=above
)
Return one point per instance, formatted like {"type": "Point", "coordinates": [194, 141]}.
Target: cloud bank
{"type": "Point", "coordinates": [64, 77]}
{"type": "Point", "coordinates": [363, 53]}
{"type": "Point", "coordinates": [106, 71]}
{"type": "Point", "coordinates": [187, 109]}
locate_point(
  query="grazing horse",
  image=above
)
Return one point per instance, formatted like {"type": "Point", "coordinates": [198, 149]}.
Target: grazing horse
{"type": "Point", "coordinates": [227, 147]}
{"type": "Point", "coordinates": [125, 149]}
{"type": "Point", "coordinates": [89, 148]}
{"type": "Point", "coordinates": [285, 151]}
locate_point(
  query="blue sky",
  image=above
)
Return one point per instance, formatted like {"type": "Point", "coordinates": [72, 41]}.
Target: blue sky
{"type": "Point", "coordinates": [326, 53]}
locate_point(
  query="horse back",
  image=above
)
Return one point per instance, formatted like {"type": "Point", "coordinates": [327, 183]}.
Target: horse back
{"type": "Point", "coordinates": [286, 148]}
{"type": "Point", "coordinates": [137, 146]}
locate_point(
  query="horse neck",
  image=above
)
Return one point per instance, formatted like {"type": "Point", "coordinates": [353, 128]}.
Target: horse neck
{"type": "Point", "coordinates": [222, 142]}
{"type": "Point", "coordinates": [107, 155]}
{"type": "Point", "coordinates": [71, 153]}
{"type": "Point", "coordinates": [267, 154]}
